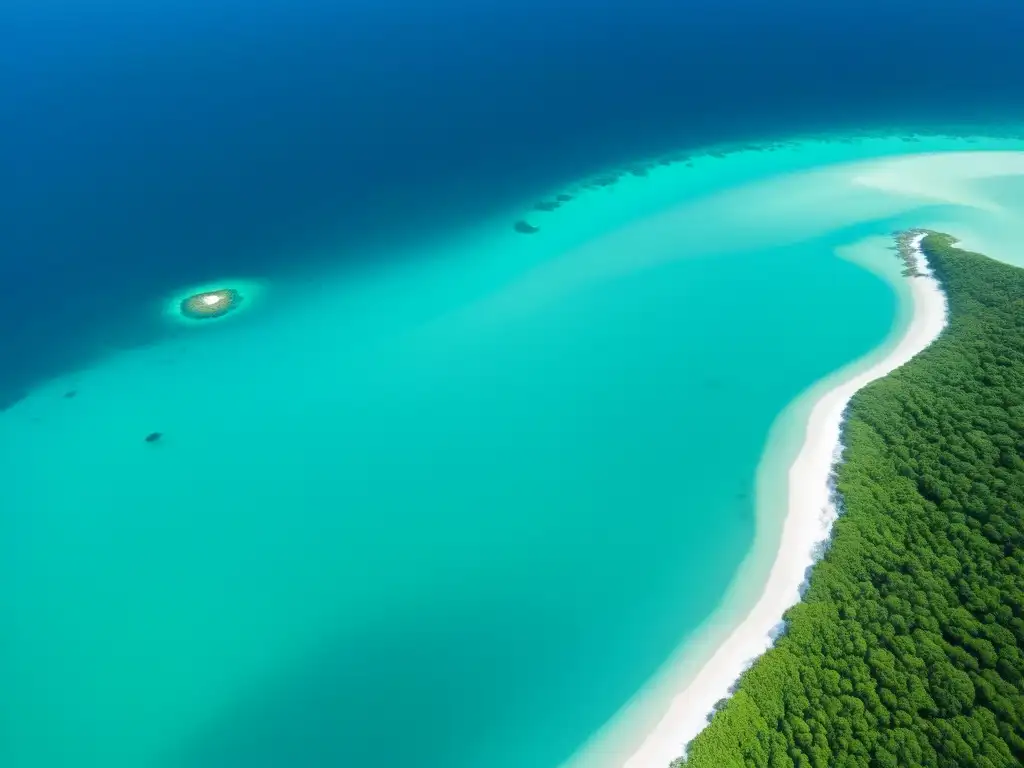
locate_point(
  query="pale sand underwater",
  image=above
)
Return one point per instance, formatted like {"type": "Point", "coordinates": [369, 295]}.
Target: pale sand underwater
{"type": "Point", "coordinates": [905, 184]}
{"type": "Point", "coordinates": [810, 515]}
{"type": "Point", "coordinates": [194, 576]}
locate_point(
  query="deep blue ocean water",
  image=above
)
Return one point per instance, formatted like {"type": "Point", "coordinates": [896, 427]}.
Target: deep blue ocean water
{"type": "Point", "coordinates": [143, 146]}
{"type": "Point", "coordinates": [222, 601]}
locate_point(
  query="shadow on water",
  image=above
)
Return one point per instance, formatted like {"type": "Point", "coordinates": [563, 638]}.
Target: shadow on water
{"type": "Point", "coordinates": [447, 691]}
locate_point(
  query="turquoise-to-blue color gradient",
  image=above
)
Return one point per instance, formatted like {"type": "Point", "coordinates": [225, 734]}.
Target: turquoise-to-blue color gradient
{"type": "Point", "coordinates": [444, 494]}
{"type": "Point", "coordinates": [147, 145]}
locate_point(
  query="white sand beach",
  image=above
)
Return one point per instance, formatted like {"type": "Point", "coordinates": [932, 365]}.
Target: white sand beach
{"type": "Point", "coordinates": [219, 638]}
{"type": "Point", "coordinates": [654, 728]}
{"type": "Point", "coordinates": [807, 524]}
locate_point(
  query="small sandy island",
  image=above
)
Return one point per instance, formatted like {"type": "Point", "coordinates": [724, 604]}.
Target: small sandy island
{"type": "Point", "coordinates": [210, 304]}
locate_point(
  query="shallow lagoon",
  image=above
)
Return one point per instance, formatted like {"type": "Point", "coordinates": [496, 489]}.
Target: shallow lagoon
{"type": "Point", "coordinates": [457, 510]}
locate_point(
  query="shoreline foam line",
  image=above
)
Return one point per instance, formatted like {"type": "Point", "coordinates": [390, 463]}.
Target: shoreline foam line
{"type": "Point", "coordinates": [810, 513]}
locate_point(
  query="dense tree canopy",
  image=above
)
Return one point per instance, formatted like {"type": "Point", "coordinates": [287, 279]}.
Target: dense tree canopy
{"type": "Point", "coordinates": [908, 648]}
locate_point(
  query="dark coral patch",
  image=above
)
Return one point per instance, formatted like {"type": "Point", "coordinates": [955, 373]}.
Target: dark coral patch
{"type": "Point", "coordinates": [546, 205]}
{"type": "Point", "coordinates": [525, 228]}
{"type": "Point", "coordinates": [563, 198]}
{"type": "Point", "coordinates": [152, 437]}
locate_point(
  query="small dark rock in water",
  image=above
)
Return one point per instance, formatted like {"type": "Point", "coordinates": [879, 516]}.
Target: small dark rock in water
{"type": "Point", "coordinates": [563, 198]}
{"type": "Point", "coordinates": [152, 437]}
{"type": "Point", "coordinates": [638, 171]}
{"type": "Point", "coordinates": [70, 393]}
{"type": "Point", "coordinates": [526, 228]}
{"type": "Point", "coordinates": [545, 205]}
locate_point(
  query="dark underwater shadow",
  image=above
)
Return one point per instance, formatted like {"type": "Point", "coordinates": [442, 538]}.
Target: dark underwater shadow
{"type": "Point", "coordinates": [445, 690]}
{"type": "Point", "coordinates": [35, 349]}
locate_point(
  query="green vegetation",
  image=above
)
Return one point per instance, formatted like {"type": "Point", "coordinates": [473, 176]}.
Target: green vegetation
{"type": "Point", "coordinates": [907, 648]}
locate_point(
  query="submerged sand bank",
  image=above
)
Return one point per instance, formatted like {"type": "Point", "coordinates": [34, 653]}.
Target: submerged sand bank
{"type": "Point", "coordinates": [654, 728]}
{"type": "Point", "coordinates": [810, 515]}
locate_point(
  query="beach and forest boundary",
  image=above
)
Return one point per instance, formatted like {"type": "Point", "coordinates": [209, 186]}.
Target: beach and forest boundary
{"type": "Point", "coordinates": [906, 647]}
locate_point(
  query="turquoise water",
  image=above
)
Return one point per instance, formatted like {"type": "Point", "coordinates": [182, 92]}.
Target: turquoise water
{"type": "Point", "coordinates": [455, 512]}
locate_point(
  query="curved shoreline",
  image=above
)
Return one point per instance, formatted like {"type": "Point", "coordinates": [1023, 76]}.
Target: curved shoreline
{"type": "Point", "coordinates": [725, 618]}
{"type": "Point", "coordinates": [811, 511]}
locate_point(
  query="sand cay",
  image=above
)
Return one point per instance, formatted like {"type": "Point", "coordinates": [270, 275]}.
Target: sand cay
{"type": "Point", "coordinates": [656, 727]}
